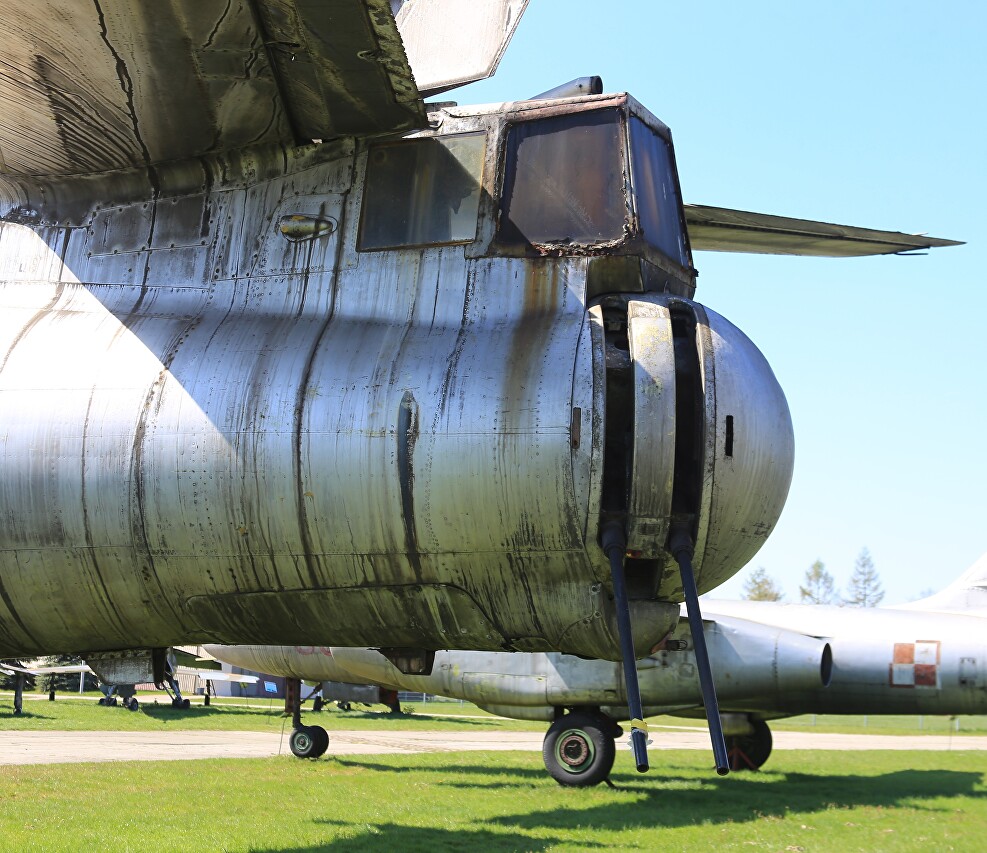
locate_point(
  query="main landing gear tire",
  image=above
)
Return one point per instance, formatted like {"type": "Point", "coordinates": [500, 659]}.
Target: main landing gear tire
{"type": "Point", "coordinates": [133, 704]}
{"type": "Point", "coordinates": [579, 749]}
{"type": "Point", "coordinates": [749, 752]}
{"type": "Point", "coordinates": [181, 704]}
{"type": "Point", "coordinates": [309, 742]}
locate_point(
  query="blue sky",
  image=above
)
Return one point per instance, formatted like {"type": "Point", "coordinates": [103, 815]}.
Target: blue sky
{"type": "Point", "coordinates": [862, 113]}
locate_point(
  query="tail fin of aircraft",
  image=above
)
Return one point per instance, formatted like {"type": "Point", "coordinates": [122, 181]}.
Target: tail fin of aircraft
{"type": "Point", "coordinates": [967, 594]}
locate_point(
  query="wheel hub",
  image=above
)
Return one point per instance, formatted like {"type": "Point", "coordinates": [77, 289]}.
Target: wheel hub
{"type": "Point", "coordinates": [574, 750]}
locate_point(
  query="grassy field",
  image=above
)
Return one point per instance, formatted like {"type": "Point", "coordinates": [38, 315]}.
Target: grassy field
{"type": "Point", "coordinates": [810, 801]}
{"type": "Point", "coordinates": [884, 801]}
{"type": "Point", "coordinates": [70, 713]}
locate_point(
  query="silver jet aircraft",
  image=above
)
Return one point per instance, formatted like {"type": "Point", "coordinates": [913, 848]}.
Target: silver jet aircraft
{"type": "Point", "coordinates": [771, 661]}
{"type": "Point", "coordinates": [286, 351]}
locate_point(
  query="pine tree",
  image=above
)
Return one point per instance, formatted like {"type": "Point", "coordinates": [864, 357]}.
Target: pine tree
{"type": "Point", "coordinates": [865, 585]}
{"type": "Point", "coordinates": [760, 586]}
{"type": "Point", "coordinates": [819, 586]}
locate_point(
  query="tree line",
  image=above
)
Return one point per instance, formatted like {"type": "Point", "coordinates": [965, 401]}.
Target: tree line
{"type": "Point", "coordinates": [819, 587]}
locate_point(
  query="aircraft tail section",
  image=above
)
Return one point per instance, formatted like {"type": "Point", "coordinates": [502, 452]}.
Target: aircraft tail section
{"type": "Point", "coordinates": [967, 594]}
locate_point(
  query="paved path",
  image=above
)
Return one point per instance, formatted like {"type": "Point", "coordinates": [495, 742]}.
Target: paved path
{"type": "Point", "coordinates": [61, 747]}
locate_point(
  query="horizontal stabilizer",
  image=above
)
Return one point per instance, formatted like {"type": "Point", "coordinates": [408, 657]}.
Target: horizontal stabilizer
{"type": "Point", "coordinates": [967, 594]}
{"type": "Point", "coordinates": [452, 42]}
{"type": "Point", "coordinates": [718, 229]}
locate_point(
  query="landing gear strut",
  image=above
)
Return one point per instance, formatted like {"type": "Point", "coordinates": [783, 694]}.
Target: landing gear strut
{"type": "Point", "coordinates": [19, 680]}
{"type": "Point", "coordinates": [305, 741]}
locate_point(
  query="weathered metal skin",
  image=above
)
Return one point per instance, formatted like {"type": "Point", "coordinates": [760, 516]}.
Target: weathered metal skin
{"type": "Point", "coordinates": [216, 430]}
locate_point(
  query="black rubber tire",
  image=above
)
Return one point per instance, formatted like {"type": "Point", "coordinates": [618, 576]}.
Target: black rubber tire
{"type": "Point", "coordinates": [579, 750]}
{"type": "Point", "coordinates": [186, 704]}
{"type": "Point", "coordinates": [305, 742]}
{"type": "Point", "coordinates": [133, 704]}
{"type": "Point", "coordinates": [318, 703]}
{"type": "Point", "coordinates": [749, 752]}
{"type": "Point", "coordinates": [344, 706]}
{"type": "Point", "coordinates": [102, 701]}
{"type": "Point", "coordinates": [321, 737]}
{"type": "Point", "coordinates": [112, 701]}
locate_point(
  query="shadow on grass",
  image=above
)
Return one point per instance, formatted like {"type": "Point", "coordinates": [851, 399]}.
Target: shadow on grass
{"type": "Point", "coordinates": [392, 836]}
{"type": "Point", "coordinates": [512, 771]}
{"type": "Point", "coordinates": [164, 712]}
{"type": "Point", "coordinates": [672, 799]}
{"type": "Point", "coordinates": [8, 714]}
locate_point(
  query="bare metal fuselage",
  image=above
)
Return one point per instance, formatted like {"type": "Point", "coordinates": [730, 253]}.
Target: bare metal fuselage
{"type": "Point", "coordinates": [214, 430]}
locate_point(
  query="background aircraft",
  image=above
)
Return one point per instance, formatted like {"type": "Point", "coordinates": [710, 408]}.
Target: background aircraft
{"type": "Point", "coordinates": [771, 661]}
{"type": "Point", "coordinates": [115, 692]}
{"type": "Point", "coordinates": [280, 341]}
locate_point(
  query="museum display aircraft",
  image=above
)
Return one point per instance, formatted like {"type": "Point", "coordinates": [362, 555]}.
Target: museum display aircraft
{"type": "Point", "coordinates": [772, 660]}
{"type": "Point", "coordinates": [285, 349]}
{"type": "Point", "coordinates": [124, 693]}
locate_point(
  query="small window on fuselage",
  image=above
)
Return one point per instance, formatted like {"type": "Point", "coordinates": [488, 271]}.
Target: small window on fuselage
{"type": "Point", "coordinates": [422, 192]}
{"type": "Point", "coordinates": [563, 180]}
{"type": "Point", "coordinates": [656, 192]}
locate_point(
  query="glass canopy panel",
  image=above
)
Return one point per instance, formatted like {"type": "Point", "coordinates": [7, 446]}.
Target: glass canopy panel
{"type": "Point", "coordinates": [422, 192]}
{"type": "Point", "coordinates": [656, 192]}
{"type": "Point", "coordinates": [563, 181]}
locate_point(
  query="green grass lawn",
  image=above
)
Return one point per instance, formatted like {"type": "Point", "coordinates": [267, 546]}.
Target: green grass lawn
{"type": "Point", "coordinates": [70, 713]}
{"type": "Point", "coordinates": [826, 801]}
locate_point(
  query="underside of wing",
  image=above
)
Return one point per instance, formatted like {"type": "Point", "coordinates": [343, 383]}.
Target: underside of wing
{"type": "Point", "coordinates": [718, 229]}
{"type": "Point", "coordinates": [87, 87]}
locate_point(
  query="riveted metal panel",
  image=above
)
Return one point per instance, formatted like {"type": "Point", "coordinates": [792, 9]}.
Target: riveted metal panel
{"type": "Point", "coordinates": [649, 334]}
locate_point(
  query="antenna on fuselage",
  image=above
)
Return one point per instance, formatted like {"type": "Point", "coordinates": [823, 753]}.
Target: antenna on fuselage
{"type": "Point", "coordinates": [573, 89]}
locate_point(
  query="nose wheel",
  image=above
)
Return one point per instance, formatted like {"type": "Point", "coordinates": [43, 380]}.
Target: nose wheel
{"type": "Point", "coordinates": [309, 742]}
{"type": "Point", "coordinates": [305, 741]}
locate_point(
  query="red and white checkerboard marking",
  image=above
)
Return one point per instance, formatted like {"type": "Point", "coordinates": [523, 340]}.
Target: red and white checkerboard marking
{"type": "Point", "coordinates": [915, 664]}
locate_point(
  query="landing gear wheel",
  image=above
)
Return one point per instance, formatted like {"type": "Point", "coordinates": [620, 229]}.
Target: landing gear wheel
{"type": "Point", "coordinates": [112, 701]}
{"type": "Point", "coordinates": [318, 703]}
{"type": "Point", "coordinates": [579, 749]}
{"type": "Point", "coordinates": [344, 706]}
{"type": "Point", "coordinates": [309, 742]}
{"type": "Point", "coordinates": [133, 704]}
{"type": "Point", "coordinates": [321, 740]}
{"type": "Point", "coordinates": [749, 752]}
{"type": "Point", "coordinates": [102, 701]}
{"type": "Point", "coordinates": [180, 704]}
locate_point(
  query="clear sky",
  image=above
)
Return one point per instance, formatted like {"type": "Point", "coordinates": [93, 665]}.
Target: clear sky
{"type": "Point", "coordinates": [866, 113]}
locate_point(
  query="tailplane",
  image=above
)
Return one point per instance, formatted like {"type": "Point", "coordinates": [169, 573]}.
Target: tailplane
{"type": "Point", "coordinates": [967, 594]}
